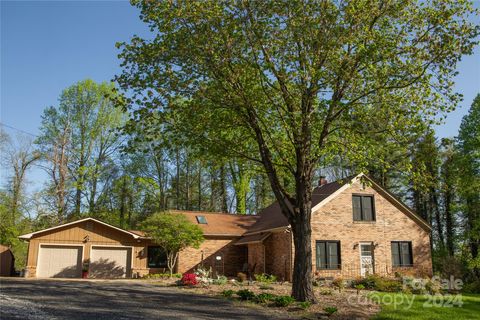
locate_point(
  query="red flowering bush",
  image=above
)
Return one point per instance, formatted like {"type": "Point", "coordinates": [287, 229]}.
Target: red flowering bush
{"type": "Point", "coordinates": [189, 279]}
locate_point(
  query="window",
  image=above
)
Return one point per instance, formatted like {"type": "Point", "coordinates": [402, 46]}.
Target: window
{"type": "Point", "coordinates": [363, 208]}
{"type": "Point", "coordinates": [157, 258]}
{"type": "Point", "coordinates": [402, 254]}
{"type": "Point", "coordinates": [328, 255]}
{"type": "Point", "coordinates": [201, 219]}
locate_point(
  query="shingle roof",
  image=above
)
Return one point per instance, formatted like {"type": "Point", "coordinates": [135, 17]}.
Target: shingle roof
{"type": "Point", "coordinates": [254, 238]}
{"type": "Point", "coordinates": [272, 218]}
{"type": "Point", "coordinates": [218, 223]}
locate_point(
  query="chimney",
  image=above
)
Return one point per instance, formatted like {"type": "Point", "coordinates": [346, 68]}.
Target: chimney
{"type": "Point", "coordinates": [322, 181]}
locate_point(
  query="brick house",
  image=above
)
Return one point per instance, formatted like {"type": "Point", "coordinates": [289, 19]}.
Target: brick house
{"type": "Point", "coordinates": [111, 252]}
{"type": "Point", "coordinates": [358, 228]}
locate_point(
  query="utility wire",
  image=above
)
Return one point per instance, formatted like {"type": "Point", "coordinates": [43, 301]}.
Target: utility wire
{"type": "Point", "coordinates": [20, 130]}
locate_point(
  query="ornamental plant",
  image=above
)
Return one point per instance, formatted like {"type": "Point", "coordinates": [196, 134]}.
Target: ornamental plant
{"type": "Point", "coordinates": [189, 279]}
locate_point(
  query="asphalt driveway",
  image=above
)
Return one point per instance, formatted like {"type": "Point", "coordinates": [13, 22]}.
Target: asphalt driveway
{"type": "Point", "coordinates": [98, 300]}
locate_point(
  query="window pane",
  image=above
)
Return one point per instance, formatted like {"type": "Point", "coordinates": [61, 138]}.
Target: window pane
{"type": "Point", "coordinates": [321, 255]}
{"type": "Point", "coordinates": [357, 208]}
{"type": "Point", "coordinates": [395, 254]}
{"type": "Point", "coordinates": [156, 258]}
{"type": "Point", "coordinates": [367, 208]}
{"type": "Point", "coordinates": [333, 255]}
{"type": "Point", "coordinates": [405, 251]}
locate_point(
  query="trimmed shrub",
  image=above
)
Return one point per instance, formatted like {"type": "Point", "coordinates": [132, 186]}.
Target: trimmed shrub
{"type": "Point", "coordinates": [283, 301]}
{"type": "Point", "coordinates": [189, 279]}
{"type": "Point", "coordinates": [374, 282]}
{"type": "Point", "coordinates": [325, 292]}
{"type": "Point", "coordinates": [246, 294]}
{"type": "Point", "coordinates": [264, 297]}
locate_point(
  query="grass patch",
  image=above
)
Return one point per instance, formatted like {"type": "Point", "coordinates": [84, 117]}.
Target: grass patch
{"type": "Point", "coordinates": [399, 306]}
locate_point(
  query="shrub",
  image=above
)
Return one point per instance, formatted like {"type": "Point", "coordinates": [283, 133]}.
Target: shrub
{"type": "Point", "coordinates": [283, 301]}
{"type": "Point", "coordinates": [246, 294]}
{"type": "Point", "coordinates": [204, 275]}
{"type": "Point", "coordinates": [304, 304]}
{"type": "Point", "coordinates": [264, 297]}
{"type": "Point", "coordinates": [228, 293]}
{"type": "Point", "coordinates": [161, 275]}
{"type": "Point", "coordinates": [472, 287]}
{"type": "Point", "coordinates": [241, 276]}
{"type": "Point", "coordinates": [265, 278]}
{"type": "Point", "coordinates": [330, 310]}
{"type": "Point", "coordinates": [378, 283]}
{"type": "Point", "coordinates": [326, 292]}
{"type": "Point", "coordinates": [359, 287]}
{"type": "Point", "coordinates": [338, 283]}
{"type": "Point", "coordinates": [189, 279]}
{"type": "Point", "coordinates": [221, 280]}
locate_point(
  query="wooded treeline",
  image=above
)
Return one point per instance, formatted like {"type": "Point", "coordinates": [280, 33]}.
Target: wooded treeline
{"type": "Point", "coordinates": [95, 169]}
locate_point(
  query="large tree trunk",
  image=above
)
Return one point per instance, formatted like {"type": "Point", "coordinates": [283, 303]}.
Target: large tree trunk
{"type": "Point", "coordinates": [302, 289]}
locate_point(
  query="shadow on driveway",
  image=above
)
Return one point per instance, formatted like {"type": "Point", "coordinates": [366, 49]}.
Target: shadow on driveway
{"type": "Point", "coordinates": [60, 299]}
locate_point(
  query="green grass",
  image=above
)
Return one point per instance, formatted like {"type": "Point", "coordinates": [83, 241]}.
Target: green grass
{"type": "Point", "coordinates": [427, 308]}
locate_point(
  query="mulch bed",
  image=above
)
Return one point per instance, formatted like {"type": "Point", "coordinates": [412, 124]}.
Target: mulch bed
{"type": "Point", "coordinates": [349, 304]}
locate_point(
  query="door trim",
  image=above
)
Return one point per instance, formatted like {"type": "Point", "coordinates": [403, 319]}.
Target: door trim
{"type": "Point", "coordinates": [371, 243]}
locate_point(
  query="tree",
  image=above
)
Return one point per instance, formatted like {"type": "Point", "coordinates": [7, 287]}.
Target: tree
{"type": "Point", "coordinates": [79, 143]}
{"type": "Point", "coordinates": [287, 85]}
{"type": "Point", "coordinates": [173, 232]}
{"type": "Point", "coordinates": [468, 142]}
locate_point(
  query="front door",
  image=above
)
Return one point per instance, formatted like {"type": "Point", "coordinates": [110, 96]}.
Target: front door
{"type": "Point", "coordinates": [366, 259]}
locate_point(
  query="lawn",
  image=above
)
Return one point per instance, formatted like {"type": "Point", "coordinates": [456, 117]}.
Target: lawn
{"type": "Point", "coordinates": [402, 306]}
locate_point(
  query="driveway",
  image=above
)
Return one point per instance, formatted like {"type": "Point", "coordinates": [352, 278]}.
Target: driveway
{"type": "Point", "coordinates": [98, 300]}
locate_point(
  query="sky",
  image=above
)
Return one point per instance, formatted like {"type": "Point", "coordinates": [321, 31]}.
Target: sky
{"type": "Point", "coordinates": [48, 45]}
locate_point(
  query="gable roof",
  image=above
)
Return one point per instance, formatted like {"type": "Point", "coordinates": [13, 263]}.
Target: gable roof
{"type": "Point", "coordinates": [271, 218]}
{"type": "Point", "coordinates": [30, 235]}
{"type": "Point", "coordinates": [219, 223]}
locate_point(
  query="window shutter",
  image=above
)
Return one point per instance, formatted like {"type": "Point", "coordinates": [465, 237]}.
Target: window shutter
{"type": "Point", "coordinates": [357, 208]}
{"type": "Point", "coordinates": [367, 206]}
{"type": "Point", "coordinates": [395, 254]}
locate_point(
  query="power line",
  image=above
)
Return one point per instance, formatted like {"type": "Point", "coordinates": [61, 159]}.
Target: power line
{"type": "Point", "coordinates": [20, 130]}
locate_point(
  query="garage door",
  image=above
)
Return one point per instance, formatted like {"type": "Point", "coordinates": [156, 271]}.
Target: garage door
{"type": "Point", "coordinates": [55, 261]}
{"type": "Point", "coordinates": [110, 262]}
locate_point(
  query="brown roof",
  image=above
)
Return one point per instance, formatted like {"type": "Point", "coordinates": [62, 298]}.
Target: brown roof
{"type": "Point", "coordinates": [254, 238]}
{"type": "Point", "coordinates": [272, 218]}
{"type": "Point", "coordinates": [221, 223]}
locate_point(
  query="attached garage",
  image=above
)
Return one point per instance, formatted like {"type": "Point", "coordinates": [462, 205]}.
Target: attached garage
{"type": "Point", "coordinates": [59, 261]}
{"type": "Point", "coordinates": [110, 262]}
{"type": "Point", "coordinates": [86, 248]}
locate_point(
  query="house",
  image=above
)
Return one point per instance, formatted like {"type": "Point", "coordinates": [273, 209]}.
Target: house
{"type": "Point", "coordinates": [7, 261]}
{"type": "Point", "coordinates": [358, 228]}
{"type": "Point", "coordinates": [111, 252]}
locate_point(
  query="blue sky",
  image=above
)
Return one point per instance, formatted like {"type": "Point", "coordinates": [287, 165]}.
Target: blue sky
{"type": "Point", "coordinates": [47, 46]}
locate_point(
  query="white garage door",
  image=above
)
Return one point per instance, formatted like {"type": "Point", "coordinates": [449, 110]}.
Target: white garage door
{"type": "Point", "coordinates": [110, 262]}
{"type": "Point", "coordinates": [58, 261]}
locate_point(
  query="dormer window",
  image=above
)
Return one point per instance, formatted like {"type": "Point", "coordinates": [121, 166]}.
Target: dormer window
{"type": "Point", "coordinates": [363, 208]}
{"type": "Point", "coordinates": [201, 219]}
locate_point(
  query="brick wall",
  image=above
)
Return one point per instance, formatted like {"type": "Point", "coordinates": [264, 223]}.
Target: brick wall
{"type": "Point", "coordinates": [334, 221]}
{"type": "Point", "coordinates": [256, 258]}
{"type": "Point", "coordinates": [233, 258]}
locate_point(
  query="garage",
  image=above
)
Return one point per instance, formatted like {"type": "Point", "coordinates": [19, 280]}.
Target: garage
{"type": "Point", "coordinates": [59, 261]}
{"type": "Point", "coordinates": [110, 262]}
